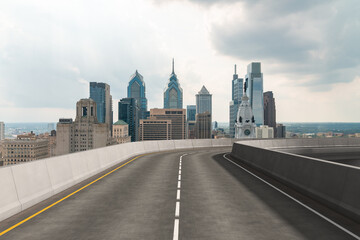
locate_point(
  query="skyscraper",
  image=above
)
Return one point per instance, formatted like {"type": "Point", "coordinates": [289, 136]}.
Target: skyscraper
{"type": "Point", "coordinates": [254, 83]}
{"type": "Point", "coordinates": [270, 110]}
{"type": "Point", "coordinates": [137, 90]}
{"type": "Point", "coordinates": [173, 94]}
{"type": "Point", "coordinates": [2, 131]}
{"type": "Point", "coordinates": [100, 93]}
{"type": "Point", "coordinates": [190, 112]}
{"type": "Point", "coordinates": [129, 113]}
{"type": "Point", "coordinates": [236, 93]}
{"type": "Point", "coordinates": [203, 101]}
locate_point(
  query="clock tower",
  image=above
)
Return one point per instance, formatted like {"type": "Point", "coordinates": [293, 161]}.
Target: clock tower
{"type": "Point", "coordinates": [245, 122]}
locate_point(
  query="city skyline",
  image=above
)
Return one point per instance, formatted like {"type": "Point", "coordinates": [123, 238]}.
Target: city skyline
{"type": "Point", "coordinates": [306, 61]}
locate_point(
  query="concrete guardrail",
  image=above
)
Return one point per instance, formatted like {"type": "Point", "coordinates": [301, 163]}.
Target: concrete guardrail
{"type": "Point", "coordinates": [24, 185]}
{"type": "Point", "coordinates": [333, 184]}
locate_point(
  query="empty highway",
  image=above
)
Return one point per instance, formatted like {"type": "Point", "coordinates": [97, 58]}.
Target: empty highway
{"type": "Point", "coordinates": [194, 194]}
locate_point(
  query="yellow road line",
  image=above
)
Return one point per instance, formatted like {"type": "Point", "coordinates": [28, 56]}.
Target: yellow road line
{"type": "Point", "coordinates": [59, 201]}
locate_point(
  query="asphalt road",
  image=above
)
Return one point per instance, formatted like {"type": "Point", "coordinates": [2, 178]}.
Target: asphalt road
{"type": "Point", "coordinates": [212, 198]}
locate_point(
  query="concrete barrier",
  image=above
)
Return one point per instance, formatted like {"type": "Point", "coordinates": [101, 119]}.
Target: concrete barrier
{"type": "Point", "coordinates": [32, 182]}
{"type": "Point", "coordinates": [24, 185]}
{"type": "Point", "coordinates": [333, 184]}
{"type": "Point", "coordinates": [9, 202]}
{"type": "Point", "coordinates": [183, 144]}
{"type": "Point", "coordinates": [166, 145]}
{"type": "Point", "coordinates": [151, 146]}
{"type": "Point", "coordinates": [200, 143]}
{"type": "Point", "coordinates": [61, 176]}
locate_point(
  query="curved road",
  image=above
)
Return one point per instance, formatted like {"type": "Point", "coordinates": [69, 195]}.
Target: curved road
{"type": "Point", "coordinates": [157, 196]}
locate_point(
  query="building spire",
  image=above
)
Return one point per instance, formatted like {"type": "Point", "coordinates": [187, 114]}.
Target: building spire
{"type": "Point", "coordinates": [173, 66]}
{"type": "Point", "coordinates": [235, 69]}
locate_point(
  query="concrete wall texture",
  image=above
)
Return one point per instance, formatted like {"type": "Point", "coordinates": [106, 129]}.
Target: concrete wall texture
{"type": "Point", "coordinates": [335, 185]}
{"type": "Point", "coordinates": [27, 184]}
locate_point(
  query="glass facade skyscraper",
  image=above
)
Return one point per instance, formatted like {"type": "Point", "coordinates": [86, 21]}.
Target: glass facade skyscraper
{"type": "Point", "coordinates": [237, 90]}
{"type": "Point", "coordinates": [100, 93]}
{"type": "Point", "coordinates": [254, 83]}
{"type": "Point", "coordinates": [129, 113]}
{"type": "Point", "coordinates": [173, 94]}
{"type": "Point", "coordinates": [137, 90]}
{"type": "Point", "coordinates": [203, 101]}
{"type": "Point", "coordinates": [190, 112]}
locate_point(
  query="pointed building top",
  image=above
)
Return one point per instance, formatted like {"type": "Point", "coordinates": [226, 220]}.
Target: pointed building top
{"type": "Point", "coordinates": [235, 68]}
{"type": "Point", "coordinates": [204, 90]}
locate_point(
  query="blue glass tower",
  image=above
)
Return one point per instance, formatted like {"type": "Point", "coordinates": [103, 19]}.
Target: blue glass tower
{"type": "Point", "coordinates": [236, 95]}
{"type": "Point", "coordinates": [254, 83]}
{"type": "Point", "coordinates": [100, 93]}
{"type": "Point", "coordinates": [173, 94]}
{"type": "Point", "coordinates": [129, 113]}
{"type": "Point", "coordinates": [136, 89]}
{"type": "Point", "coordinates": [190, 112]}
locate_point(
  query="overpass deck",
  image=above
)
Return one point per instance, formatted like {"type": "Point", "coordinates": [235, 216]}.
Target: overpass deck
{"type": "Point", "coordinates": [207, 195]}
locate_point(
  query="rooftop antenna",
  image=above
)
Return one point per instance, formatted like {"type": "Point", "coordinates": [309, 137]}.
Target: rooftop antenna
{"type": "Point", "coordinates": [173, 66]}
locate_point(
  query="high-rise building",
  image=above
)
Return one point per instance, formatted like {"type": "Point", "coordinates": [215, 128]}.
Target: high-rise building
{"type": "Point", "coordinates": [173, 94]}
{"type": "Point", "coordinates": [155, 129]}
{"type": "Point", "coordinates": [25, 148]}
{"type": "Point", "coordinates": [84, 133]}
{"type": "Point", "coordinates": [190, 112]}
{"type": "Point", "coordinates": [121, 132]}
{"type": "Point", "coordinates": [2, 131]}
{"type": "Point", "coordinates": [203, 125]}
{"type": "Point", "coordinates": [177, 117]}
{"type": "Point", "coordinates": [190, 129]}
{"type": "Point", "coordinates": [236, 95]}
{"type": "Point", "coordinates": [100, 93]}
{"type": "Point", "coordinates": [254, 84]}
{"type": "Point", "coordinates": [270, 110]}
{"type": "Point", "coordinates": [137, 90]}
{"type": "Point", "coordinates": [280, 131]}
{"type": "Point", "coordinates": [203, 101]}
{"type": "Point", "coordinates": [129, 113]}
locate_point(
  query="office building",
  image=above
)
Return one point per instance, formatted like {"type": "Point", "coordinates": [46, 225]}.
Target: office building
{"type": "Point", "coordinates": [270, 110]}
{"type": "Point", "coordinates": [203, 125]}
{"type": "Point", "coordinates": [254, 89]}
{"type": "Point", "coordinates": [245, 122]}
{"type": "Point", "coordinates": [237, 90]}
{"type": "Point", "coordinates": [121, 132]}
{"type": "Point", "coordinates": [264, 132]}
{"type": "Point", "coordinates": [173, 94]}
{"type": "Point", "coordinates": [155, 129]}
{"type": "Point", "coordinates": [190, 129]}
{"type": "Point", "coordinates": [84, 133]}
{"type": "Point", "coordinates": [137, 90]}
{"type": "Point", "coordinates": [177, 117]}
{"type": "Point", "coordinates": [24, 148]}
{"type": "Point", "coordinates": [203, 101]}
{"type": "Point", "coordinates": [2, 131]}
{"type": "Point", "coordinates": [280, 131]}
{"type": "Point", "coordinates": [100, 93]}
{"type": "Point", "coordinates": [190, 112]}
{"type": "Point", "coordinates": [129, 113]}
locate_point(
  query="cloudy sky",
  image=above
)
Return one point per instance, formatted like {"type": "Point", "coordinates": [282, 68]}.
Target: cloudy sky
{"type": "Point", "coordinates": [51, 50]}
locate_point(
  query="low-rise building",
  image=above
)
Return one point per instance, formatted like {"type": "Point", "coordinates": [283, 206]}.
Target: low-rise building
{"type": "Point", "coordinates": [264, 131]}
{"type": "Point", "coordinates": [121, 132]}
{"type": "Point", "coordinates": [25, 148]}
